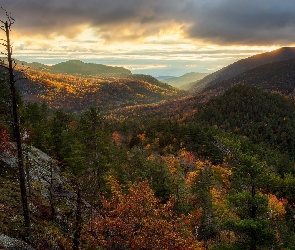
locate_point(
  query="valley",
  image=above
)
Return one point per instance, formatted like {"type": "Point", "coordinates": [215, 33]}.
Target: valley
{"type": "Point", "coordinates": [132, 162]}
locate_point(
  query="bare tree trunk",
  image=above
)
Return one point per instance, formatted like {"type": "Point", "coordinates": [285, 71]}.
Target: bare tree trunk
{"type": "Point", "coordinates": [78, 223]}
{"type": "Point", "coordinates": [17, 138]}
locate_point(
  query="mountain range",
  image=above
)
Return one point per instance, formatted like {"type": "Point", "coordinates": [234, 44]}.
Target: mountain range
{"type": "Point", "coordinates": [220, 160]}
{"type": "Point", "coordinates": [272, 71]}
{"type": "Point", "coordinates": [66, 86]}
{"type": "Point", "coordinates": [184, 82]}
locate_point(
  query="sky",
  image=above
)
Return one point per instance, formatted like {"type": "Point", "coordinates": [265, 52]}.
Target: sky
{"type": "Point", "coordinates": [156, 37]}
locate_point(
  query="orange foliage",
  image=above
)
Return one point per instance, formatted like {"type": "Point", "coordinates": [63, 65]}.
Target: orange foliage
{"type": "Point", "coordinates": [276, 207]}
{"type": "Point", "coordinates": [77, 93]}
{"type": "Point", "coordinates": [222, 175]}
{"type": "Point", "coordinates": [142, 137]}
{"type": "Point", "coordinates": [172, 163]}
{"type": "Point", "coordinates": [136, 219]}
{"type": "Point", "coordinates": [187, 160]}
{"type": "Point", "coordinates": [116, 138]}
{"type": "Point", "coordinates": [190, 178]}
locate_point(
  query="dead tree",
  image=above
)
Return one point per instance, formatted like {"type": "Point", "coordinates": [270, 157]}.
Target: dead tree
{"type": "Point", "coordinates": [79, 220]}
{"type": "Point", "coordinates": [6, 27]}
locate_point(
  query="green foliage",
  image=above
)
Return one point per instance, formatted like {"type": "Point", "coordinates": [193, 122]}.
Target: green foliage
{"type": "Point", "coordinates": [249, 204]}
{"type": "Point", "coordinates": [202, 186]}
{"type": "Point", "coordinates": [36, 124]}
{"type": "Point", "coordinates": [59, 123]}
{"type": "Point", "coordinates": [263, 117]}
{"type": "Point", "coordinates": [4, 97]}
{"type": "Point", "coordinates": [243, 162]}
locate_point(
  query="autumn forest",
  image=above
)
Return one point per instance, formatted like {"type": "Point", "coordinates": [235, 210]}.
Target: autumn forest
{"type": "Point", "coordinates": [115, 160]}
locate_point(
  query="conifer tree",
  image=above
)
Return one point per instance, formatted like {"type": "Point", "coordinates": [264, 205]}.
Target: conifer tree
{"type": "Point", "coordinates": [249, 203]}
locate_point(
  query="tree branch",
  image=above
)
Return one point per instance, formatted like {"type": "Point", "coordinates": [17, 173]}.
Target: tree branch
{"type": "Point", "coordinates": [10, 20]}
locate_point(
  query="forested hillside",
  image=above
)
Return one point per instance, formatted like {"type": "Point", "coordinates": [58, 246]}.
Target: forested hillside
{"type": "Point", "coordinates": [222, 178]}
{"type": "Point", "coordinates": [275, 77]}
{"type": "Point", "coordinates": [243, 65]}
{"type": "Point", "coordinates": [75, 93]}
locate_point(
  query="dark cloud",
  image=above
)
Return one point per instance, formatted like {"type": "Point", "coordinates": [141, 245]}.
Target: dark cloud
{"type": "Point", "coordinates": [251, 22]}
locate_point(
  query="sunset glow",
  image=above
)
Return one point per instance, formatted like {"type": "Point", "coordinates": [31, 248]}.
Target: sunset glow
{"type": "Point", "coordinates": [152, 37]}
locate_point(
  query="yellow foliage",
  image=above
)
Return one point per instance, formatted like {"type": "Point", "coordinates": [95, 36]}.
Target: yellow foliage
{"type": "Point", "coordinates": [217, 196]}
{"type": "Point", "coordinates": [151, 157]}
{"type": "Point", "coordinates": [222, 175]}
{"type": "Point", "coordinates": [276, 207]}
{"type": "Point", "coordinates": [190, 178]}
{"type": "Point", "coordinates": [147, 147]}
{"type": "Point", "coordinates": [142, 137]}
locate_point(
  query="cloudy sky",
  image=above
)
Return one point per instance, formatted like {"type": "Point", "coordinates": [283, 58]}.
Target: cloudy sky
{"type": "Point", "coordinates": [157, 37]}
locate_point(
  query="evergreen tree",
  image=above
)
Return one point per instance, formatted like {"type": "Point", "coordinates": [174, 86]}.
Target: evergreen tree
{"type": "Point", "coordinates": [202, 184]}
{"type": "Point", "coordinates": [249, 204]}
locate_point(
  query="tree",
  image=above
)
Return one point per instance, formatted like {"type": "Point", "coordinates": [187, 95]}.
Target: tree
{"type": "Point", "coordinates": [6, 27]}
{"type": "Point", "coordinates": [250, 224]}
{"type": "Point", "coordinates": [202, 184]}
{"type": "Point", "coordinates": [83, 147]}
{"type": "Point", "coordinates": [36, 124]}
{"type": "Point", "coordinates": [133, 218]}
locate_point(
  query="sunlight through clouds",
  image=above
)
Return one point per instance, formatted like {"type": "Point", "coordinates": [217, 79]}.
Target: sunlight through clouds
{"type": "Point", "coordinates": [170, 34]}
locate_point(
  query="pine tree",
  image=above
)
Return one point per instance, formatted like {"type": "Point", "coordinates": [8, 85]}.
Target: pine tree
{"type": "Point", "coordinates": [249, 204]}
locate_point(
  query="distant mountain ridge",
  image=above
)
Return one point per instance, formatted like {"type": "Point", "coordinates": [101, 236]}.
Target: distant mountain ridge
{"type": "Point", "coordinates": [88, 69]}
{"type": "Point", "coordinates": [162, 78]}
{"type": "Point", "coordinates": [78, 68]}
{"type": "Point", "coordinates": [243, 65]}
{"type": "Point", "coordinates": [183, 81]}
{"type": "Point", "coordinates": [76, 92]}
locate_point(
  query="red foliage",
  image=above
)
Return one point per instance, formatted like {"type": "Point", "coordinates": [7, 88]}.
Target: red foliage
{"type": "Point", "coordinates": [5, 140]}
{"type": "Point", "coordinates": [138, 220]}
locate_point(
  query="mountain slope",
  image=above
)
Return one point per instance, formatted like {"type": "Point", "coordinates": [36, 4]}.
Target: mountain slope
{"type": "Point", "coordinates": [275, 77]}
{"type": "Point", "coordinates": [263, 117]}
{"type": "Point", "coordinates": [47, 188]}
{"type": "Point", "coordinates": [177, 108]}
{"type": "Point", "coordinates": [180, 82]}
{"type": "Point", "coordinates": [74, 94]}
{"type": "Point", "coordinates": [244, 65]}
